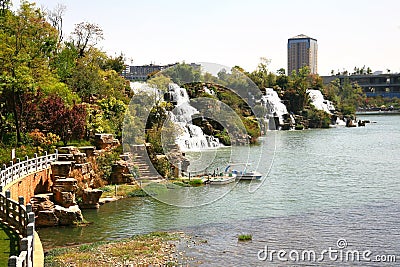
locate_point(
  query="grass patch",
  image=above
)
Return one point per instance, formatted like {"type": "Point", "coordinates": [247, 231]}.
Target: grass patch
{"type": "Point", "coordinates": [245, 237]}
{"type": "Point", "coordinates": [122, 190]}
{"type": "Point", "coordinates": [8, 244]}
{"type": "Point", "coordinates": [138, 193]}
{"type": "Point", "coordinates": [195, 182]}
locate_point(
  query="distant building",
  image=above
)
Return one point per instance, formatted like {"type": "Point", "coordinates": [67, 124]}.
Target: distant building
{"type": "Point", "coordinates": [141, 73]}
{"type": "Point", "coordinates": [385, 85]}
{"type": "Point", "coordinates": [302, 51]}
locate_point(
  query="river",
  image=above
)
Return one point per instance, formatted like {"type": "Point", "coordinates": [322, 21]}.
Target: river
{"type": "Point", "coordinates": [324, 187]}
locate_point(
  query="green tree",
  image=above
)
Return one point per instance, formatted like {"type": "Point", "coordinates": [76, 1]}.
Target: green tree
{"type": "Point", "coordinates": [27, 41]}
{"type": "Point", "coordinates": [85, 36]}
{"type": "Point", "coordinates": [296, 94]}
{"type": "Point", "coordinates": [183, 73]}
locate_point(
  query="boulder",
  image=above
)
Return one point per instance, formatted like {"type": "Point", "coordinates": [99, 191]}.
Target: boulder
{"type": "Point", "coordinates": [65, 199]}
{"type": "Point", "coordinates": [46, 218]}
{"type": "Point", "coordinates": [65, 185]}
{"type": "Point", "coordinates": [80, 158]}
{"type": "Point", "coordinates": [68, 216]}
{"type": "Point", "coordinates": [41, 203]}
{"type": "Point", "coordinates": [65, 157]}
{"type": "Point", "coordinates": [120, 173]}
{"type": "Point", "coordinates": [104, 141]}
{"type": "Point", "coordinates": [68, 150]}
{"type": "Point", "coordinates": [88, 150]}
{"type": "Point", "coordinates": [61, 168]}
{"type": "Point", "coordinates": [90, 199]}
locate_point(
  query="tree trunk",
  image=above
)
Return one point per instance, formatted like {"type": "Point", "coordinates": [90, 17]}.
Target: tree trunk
{"type": "Point", "coordinates": [16, 119]}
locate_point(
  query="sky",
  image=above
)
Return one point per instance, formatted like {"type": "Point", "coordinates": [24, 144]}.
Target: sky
{"type": "Point", "coordinates": [230, 32]}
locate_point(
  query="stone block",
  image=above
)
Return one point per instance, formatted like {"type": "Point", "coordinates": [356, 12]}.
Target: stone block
{"type": "Point", "coordinates": [68, 150]}
{"type": "Point", "coordinates": [41, 203]}
{"type": "Point", "coordinates": [68, 216]}
{"type": "Point", "coordinates": [64, 199]}
{"type": "Point", "coordinates": [66, 185]}
{"type": "Point", "coordinates": [80, 158]}
{"type": "Point", "coordinates": [46, 218]}
{"type": "Point", "coordinates": [103, 141]}
{"type": "Point", "coordinates": [88, 150]}
{"type": "Point", "coordinates": [90, 199]}
{"type": "Point", "coordinates": [65, 157]}
{"type": "Point", "coordinates": [61, 168]}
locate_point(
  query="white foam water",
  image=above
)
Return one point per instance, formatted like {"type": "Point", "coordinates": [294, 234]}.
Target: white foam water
{"type": "Point", "coordinates": [274, 106]}
{"type": "Point", "coordinates": [191, 137]}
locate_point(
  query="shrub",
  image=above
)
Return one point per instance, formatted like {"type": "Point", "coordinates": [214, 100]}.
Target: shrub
{"type": "Point", "coordinates": [245, 237]}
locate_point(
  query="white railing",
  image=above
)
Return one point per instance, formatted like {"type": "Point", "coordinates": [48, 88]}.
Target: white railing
{"type": "Point", "coordinates": [21, 168]}
{"type": "Point", "coordinates": [15, 213]}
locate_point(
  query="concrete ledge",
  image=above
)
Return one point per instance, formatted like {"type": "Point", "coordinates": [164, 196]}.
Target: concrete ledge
{"type": "Point", "coordinates": [38, 254]}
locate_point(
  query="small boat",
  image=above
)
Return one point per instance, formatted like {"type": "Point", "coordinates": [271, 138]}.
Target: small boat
{"type": "Point", "coordinates": [220, 180]}
{"type": "Point", "coordinates": [252, 175]}
{"type": "Point", "coordinates": [245, 175]}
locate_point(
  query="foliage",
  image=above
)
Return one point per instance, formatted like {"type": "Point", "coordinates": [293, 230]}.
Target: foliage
{"type": "Point", "coordinates": [347, 96]}
{"type": "Point", "coordinates": [182, 73]}
{"type": "Point", "coordinates": [113, 111]}
{"type": "Point", "coordinates": [245, 237]}
{"type": "Point", "coordinates": [195, 182]}
{"type": "Point", "coordinates": [64, 121]}
{"type": "Point", "coordinates": [85, 36]}
{"type": "Point", "coordinates": [105, 161]}
{"type": "Point", "coordinates": [26, 43]}
{"type": "Point", "coordinates": [44, 141]}
{"type": "Point", "coordinates": [317, 118]}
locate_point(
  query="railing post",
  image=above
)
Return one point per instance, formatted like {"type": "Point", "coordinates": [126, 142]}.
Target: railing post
{"type": "Point", "coordinates": [31, 217]}
{"type": "Point", "coordinates": [19, 167]}
{"type": "Point", "coordinates": [7, 202]}
{"type": "Point", "coordinates": [30, 229]}
{"type": "Point", "coordinates": [12, 170]}
{"type": "Point", "coordinates": [28, 208]}
{"type": "Point", "coordinates": [25, 247]}
{"type": "Point", "coordinates": [36, 161]}
{"type": "Point", "coordinates": [46, 158]}
{"type": "Point", "coordinates": [12, 261]}
{"type": "Point", "coordinates": [24, 244]}
{"type": "Point", "coordinates": [26, 165]}
{"type": "Point", "coordinates": [21, 217]}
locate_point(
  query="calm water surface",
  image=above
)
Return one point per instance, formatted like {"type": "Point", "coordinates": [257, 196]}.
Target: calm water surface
{"type": "Point", "coordinates": [324, 185]}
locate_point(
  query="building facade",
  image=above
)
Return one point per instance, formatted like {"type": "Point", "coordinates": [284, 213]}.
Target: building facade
{"type": "Point", "coordinates": [302, 51]}
{"type": "Point", "coordinates": [142, 73]}
{"type": "Point", "coordinates": [385, 85]}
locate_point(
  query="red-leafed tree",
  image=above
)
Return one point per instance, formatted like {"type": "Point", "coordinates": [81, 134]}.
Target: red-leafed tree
{"type": "Point", "coordinates": [58, 118]}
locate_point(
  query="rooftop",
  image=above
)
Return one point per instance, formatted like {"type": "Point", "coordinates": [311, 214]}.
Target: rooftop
{"type": "Point", "coordinates": [302, 36]}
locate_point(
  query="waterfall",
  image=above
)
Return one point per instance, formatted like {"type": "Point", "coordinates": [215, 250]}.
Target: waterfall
{"type": "Point", "coordinates": [275, 108]}
{"type": "Point", "coordinates": [319, 102]}
{"type": "Point", "coordinates": [191, 136]}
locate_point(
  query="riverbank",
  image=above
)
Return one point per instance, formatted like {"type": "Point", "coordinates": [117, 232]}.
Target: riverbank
{"type": "Point", "coordinates": [155, 249]}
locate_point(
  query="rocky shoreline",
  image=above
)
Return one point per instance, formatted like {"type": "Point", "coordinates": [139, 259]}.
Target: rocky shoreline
{"type": "Point", "coordinates": [154, 249]}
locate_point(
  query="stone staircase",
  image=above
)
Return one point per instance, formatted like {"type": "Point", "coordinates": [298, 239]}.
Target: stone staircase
{"type": "Point", "coordinates": [142, 161]}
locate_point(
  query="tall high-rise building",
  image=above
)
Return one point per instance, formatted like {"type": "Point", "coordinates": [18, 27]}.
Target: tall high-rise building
{"type": "Point", "coordinates": [302, 51]}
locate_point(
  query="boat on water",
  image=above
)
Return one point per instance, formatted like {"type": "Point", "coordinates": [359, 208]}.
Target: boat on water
{"type": "Point", "coordinates": [245, 174]}
{"type": "Point", "coordinates": [221, 179]}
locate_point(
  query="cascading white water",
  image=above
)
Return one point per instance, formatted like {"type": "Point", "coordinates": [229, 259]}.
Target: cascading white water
{"type": "Point", "coordinates": [320, 103]}
{"type": "Point", "coordinates": [191, 136]}
{"type": "Point", "coordinates": [274, 106]}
